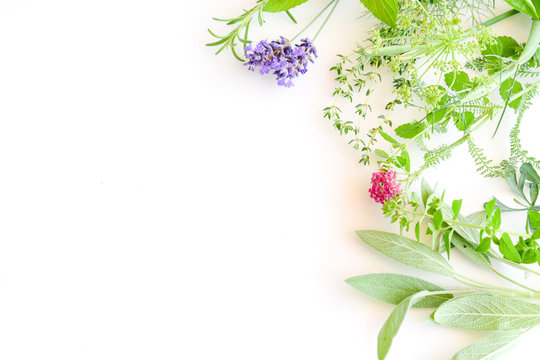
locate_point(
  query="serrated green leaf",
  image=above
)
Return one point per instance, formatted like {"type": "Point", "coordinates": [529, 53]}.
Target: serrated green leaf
{"type": "Point", "coordinates": [490, 347]}
{"type": "Point", "coordinates": [488, 312]}
{"type": "Point", "coordinates": [281, 5]}
{"type": "Point", "coordinates": [508, 88]}
{"type": "Point", "coordinates": [394, 288]}
{"type": "Point", "coordinates": [457, 80]}
{"type": "Point", "coordinates": [384, 10]}
{"type": "Point", "coordinates": [463, 120]}
{"type": "Point", "coordinates": [393, 323]}
{"type": "Point", "coordinates": [406, 251]}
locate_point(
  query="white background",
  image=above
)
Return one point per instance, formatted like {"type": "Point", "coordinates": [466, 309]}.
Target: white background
{"type": "Point", "coordinates": [159, 202]}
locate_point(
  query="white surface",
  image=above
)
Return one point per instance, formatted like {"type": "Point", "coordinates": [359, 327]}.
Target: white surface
{"type": "Point", "coordinates": [157, 202]}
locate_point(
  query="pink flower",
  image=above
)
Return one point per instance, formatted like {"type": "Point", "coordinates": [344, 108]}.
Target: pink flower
{"type": "Point", "coordinates": [384, 186]}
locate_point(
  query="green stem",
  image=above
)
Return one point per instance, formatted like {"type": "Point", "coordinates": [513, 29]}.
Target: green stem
{"type": "Point", "coordinates": [313, 20]}
{"type": "Point", "coordinates": [420, 49]}
{"type": "Point", "coordinates": [513, 281]}
{"type": "Point", "coordinates": [326, 20]}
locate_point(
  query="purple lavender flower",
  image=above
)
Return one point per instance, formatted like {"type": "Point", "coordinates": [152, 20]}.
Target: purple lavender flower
{"type": "Point", "coordinates": [281, 58]}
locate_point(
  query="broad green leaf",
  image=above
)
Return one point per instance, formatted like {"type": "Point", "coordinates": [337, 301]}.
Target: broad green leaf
{"type": "Point", "coordinates": [490, 347]}
{"type": "Point", "coordinates": [534, 218]}
{"type": "Point", "coordinates": [508, 88]}
{"type": "Point", "coordinates": [507, 248]}
{"type": "Point", "coordinates": [457, 80]}
{"type": "Point", "coordinates": [468, 250]}
{"type": "Point", "coordinates": [406, 251]}
{"type": "Point", "coordinates": [393, 323]}
{"type": "Point", "coordinates": [394, 288]}
{"type": "Point", "coordinates": [488, 312]}
{"type": "Point", "coordinates": [509, 46]}
{"type": "Point", "coordinates": [410, 130]}
{"type": "Point", "coordinates": [281, 5]}
{"type": "Point", "coordinates": [529, 7]}
{"type": "Point", "coordinates": [384, 10]}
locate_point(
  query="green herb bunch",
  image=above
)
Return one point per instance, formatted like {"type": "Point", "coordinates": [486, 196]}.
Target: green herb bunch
{"type": "Point", "coordinates": [446, 73]}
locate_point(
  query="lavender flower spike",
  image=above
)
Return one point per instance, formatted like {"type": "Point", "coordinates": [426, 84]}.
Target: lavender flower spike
{"type": "Point", "coordinates": [281, 58]}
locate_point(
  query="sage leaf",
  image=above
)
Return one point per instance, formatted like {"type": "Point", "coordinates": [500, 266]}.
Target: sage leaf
{"type": "Point", "coordinates": [384, 10]}
{"type": "Point", "coordinates": [488, 312]}
{"type": "Point", "coordinates": [469, 251]}
{"type": "Point", "coordinates": [281, 5]}
{"type": "Point", "coordinates": [490, 347]}
{"type": "Point", "coordinates": [393, 323]}
{"type": "Point", "coordinates": [394, 288]}
{"type": "Point", "coordinates": [406, 251]}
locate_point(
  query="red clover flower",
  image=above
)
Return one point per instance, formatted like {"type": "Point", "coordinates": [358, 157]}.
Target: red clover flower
{"type": "Point", "coordinates": [281, 58]}
{"type": "Point", "coordinates": [384, 186]}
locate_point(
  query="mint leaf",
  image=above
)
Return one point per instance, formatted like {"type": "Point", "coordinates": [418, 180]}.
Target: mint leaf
{"type": "Point", "coordinates": [281, 5]}
{"type": "Point", "coordinates": [384, 10]}
{"type": "Point", "coordinates": [394, 288]}
{"type": "Point", "coordinates": [406, 251]}
{"type": "Point", "coordinates": [488, 312]}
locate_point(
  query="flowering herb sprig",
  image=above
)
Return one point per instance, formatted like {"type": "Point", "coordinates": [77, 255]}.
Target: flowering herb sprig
{"type": "Point", "coordinates": [444, 60]}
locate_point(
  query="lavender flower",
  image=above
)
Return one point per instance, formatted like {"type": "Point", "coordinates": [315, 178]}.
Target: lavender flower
{"type": "Point", "coordinates": [281, 58]}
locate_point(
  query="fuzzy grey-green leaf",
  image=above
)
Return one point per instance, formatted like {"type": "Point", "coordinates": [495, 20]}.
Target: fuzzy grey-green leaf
{"type": "Point", "coordinates": [406, 251]}
{"type": "Point", "coordinates": [393, 323]}
{"type": "Point", "coordinates": [488, 312]}
{"type": "Point", "coordinates": [394, 288]}
{"type": "Point", "coordinates": [490, 347]}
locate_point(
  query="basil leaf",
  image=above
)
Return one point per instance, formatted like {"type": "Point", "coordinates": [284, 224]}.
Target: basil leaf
{"type": "Point", "coordinates": [488, 312]}
{"type": "Point", "coordinates": [490, 347]}
{"type": "Point", "coordinates": [384, 10]}
{"type": "Point", "coordinates": [393, 323]}
{"type": "Point", "coordinates": [281, 5]}
{"type": "Point", "coordinates": [394, 288]}
{"type": "Point", "coordinates": [534, 218]}
{"type": "Point", "coordinates": [406, 251]}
